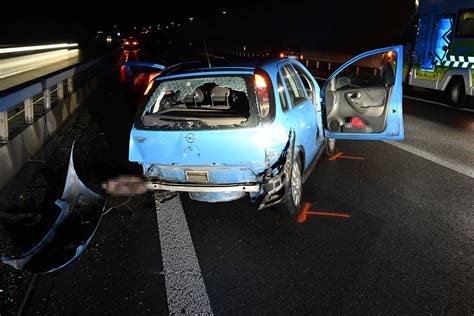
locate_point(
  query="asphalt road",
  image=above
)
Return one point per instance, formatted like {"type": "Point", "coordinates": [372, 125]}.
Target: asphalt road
{"type": "Point", "coordinates": [405, 243]}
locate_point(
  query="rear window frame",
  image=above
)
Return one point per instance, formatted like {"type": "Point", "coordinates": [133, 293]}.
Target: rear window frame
{"type": "Point", "coordinates": [253, 120]}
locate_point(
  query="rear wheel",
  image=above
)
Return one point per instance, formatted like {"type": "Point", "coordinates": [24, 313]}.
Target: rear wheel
{"type": "Point", "coordinates": [292, 205]}
{"type": "Point", "coordinates": [455, 93]}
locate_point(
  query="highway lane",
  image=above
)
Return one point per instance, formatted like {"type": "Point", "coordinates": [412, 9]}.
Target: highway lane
{"type": "Point", "coordinates": [407, 245]}
{"type": "Point", "coordinates": [442, 134]}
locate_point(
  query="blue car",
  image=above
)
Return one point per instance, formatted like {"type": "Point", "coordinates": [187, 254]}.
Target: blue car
{"type": "Point", "coordinates": [230, 131]}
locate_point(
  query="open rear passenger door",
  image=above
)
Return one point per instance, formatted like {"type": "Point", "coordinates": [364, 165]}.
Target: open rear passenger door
{"type": "Point", "coordinates": [363, 98]}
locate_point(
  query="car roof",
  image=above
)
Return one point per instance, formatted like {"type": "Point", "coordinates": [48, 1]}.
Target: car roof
{"type": "Point", "coordinates": [216, 66]}
{"type": "Point", "coordinates": [222, 67]}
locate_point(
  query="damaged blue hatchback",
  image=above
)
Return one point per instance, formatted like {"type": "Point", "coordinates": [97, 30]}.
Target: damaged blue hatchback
{"type": "Point", "coordinates": [225, 132]}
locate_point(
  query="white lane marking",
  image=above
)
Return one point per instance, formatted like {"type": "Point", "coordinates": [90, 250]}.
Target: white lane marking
{"type": "Point", "coordinates": [465, 170]}
{"type": "Point", "coordinates": [185, 287]}
{"type": "Point", "coordinates": [437, 103]}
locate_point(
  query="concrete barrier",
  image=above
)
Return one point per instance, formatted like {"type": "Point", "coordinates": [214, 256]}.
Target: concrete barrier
{"type": "Point", "coordinates": [16, 153]}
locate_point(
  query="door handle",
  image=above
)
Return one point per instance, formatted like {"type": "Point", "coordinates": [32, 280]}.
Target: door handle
{"type": "Point", "coordinates": [355, 95]}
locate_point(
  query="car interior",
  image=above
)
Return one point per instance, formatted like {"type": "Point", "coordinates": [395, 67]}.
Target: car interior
{"type": "Point", "coordinates": [208, 104]}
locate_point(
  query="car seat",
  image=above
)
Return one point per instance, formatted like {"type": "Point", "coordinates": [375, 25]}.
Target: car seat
{"type": "Point", "coordinates": [220, 96]}
{"type": "Point", "coordinates": [194, 98]}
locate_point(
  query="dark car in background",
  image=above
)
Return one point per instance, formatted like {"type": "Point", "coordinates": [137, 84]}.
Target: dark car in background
{"type": "Point", "coordinates": [285, 51]}
{"type": "Point", "coordinates": [131, 43]}
{"type": "Point", "coordinates": [293, 53]}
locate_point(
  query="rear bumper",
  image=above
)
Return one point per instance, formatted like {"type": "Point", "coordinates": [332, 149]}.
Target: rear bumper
{"type": "Point", "coordinates": [156, 185]}
{"type": "Point", "coordinates": [270, 186]}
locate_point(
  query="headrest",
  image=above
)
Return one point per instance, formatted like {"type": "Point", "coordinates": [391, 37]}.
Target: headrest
{"type": "Point", "coordinates": [220, 92]}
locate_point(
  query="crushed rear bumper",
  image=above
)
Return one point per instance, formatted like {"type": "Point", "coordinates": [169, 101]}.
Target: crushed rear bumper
{"type": "Point", "coordinates": [154, 185]}
{"type": "Point", "coordinates": [270, 187]}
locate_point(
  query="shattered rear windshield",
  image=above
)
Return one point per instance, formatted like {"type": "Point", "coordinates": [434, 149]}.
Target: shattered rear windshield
{"type": "Point", "coordinates": [202, 102]}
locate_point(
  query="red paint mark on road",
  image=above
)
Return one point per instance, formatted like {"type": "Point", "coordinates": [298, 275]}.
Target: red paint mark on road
{"type": "Point", "coordinates": [306, 211]}
{"type": "Point", "coordinates": [340, 155]}
{"type": "Point", "coordinates": [329, 214]}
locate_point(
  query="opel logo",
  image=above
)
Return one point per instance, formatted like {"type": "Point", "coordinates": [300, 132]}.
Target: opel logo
{"type": "Point", "coordinates": [190, 138]}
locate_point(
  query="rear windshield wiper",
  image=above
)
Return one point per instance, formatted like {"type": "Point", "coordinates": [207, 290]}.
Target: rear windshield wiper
{"type": "Point", "coordinates": [153, 120]}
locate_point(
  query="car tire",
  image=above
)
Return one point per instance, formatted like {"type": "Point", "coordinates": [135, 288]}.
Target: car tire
{"type": "Point", "coordinates": [293, 204]}
{"type": "Point", "coordinates": [331, 148]}
{"type": "Point", "coordinates": [455, 93]}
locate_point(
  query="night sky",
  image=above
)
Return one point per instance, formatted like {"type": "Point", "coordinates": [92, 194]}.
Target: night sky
{"type": "Point", "coordinates": [334, 25]}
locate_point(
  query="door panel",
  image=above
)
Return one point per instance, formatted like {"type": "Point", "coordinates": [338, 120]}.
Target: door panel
{"type": "Point", "coordinates": [302, 114]}
{"type": "Point", "coordinates": [369, 104]}
{"type": "Point", "coordinates": [363, 98]}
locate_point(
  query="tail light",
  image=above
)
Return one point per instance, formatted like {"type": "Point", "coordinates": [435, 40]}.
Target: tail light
{"type": "Point", "coordinates": [127, 43]}
{"type": "Point", "coordinates": [265, 96]}
{"type": "Point", "coordinates": [135, 43]}
{"type": "Point", "coordinates": [282, 55]}
{"type": "Point", "coordinates": [262, 95]}
{"type": "Point", "coordinates": [148, 88]}
{"type": "Point", "coordinates": [151, 77]}
{"type": "Point", "coordinates": [301, 57]}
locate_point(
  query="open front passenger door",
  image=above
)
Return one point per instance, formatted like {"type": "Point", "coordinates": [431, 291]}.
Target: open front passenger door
{"type": "Point", "coordinates": [363, 98]}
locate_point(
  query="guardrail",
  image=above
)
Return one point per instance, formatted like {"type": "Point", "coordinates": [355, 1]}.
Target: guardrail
{"type": "Point", "coordinates": [26, 100]}
{"type": "Point", "coordinates": [324, 62]}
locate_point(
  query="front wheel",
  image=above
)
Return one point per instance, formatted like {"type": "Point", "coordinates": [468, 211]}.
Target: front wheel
{"type": "Point", "coordinates": [292, 205]}
{"type": "Point", "coordinates": [455, 93]}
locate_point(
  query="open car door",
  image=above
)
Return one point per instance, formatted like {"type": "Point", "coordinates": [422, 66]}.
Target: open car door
{"type": "Point", "coordinates": [363, 98]}
{"type": "Point", "coordinates": [133, 68]}
{"type": "Point", "coordinates": [139, 74]}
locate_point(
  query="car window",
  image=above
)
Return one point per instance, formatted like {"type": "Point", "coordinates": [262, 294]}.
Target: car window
{"type": "Point", "coordinates": [293, 84]}
{"type": "Point", "coordinates": [374, 70]}
{"type": "Point", "coordinates": [201, 103]}
{"type": "Point", "coordinates": [465, 25]}
{"type": "Point", "coordinates": [283, 95]}
{"type": "Point", "coordinates": [305, 80]}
